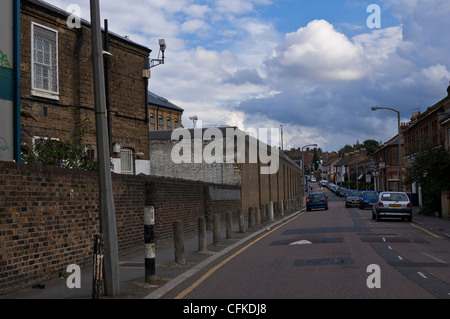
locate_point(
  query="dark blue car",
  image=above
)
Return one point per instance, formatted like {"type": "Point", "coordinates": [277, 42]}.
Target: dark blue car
{"type": "Point", "coordinates": [316, 200]}
{"type": "Point", "coordinates": [367, 199]}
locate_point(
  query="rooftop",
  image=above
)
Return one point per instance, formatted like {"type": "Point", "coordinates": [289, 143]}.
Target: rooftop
{"type": "Point", "coordinates": [157, 100]}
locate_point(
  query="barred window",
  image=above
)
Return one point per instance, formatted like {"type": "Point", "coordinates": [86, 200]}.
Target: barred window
{"type": "Point", "coordinates": [126, 161]}
{"type": "Point", "coordinates": [44, 59]}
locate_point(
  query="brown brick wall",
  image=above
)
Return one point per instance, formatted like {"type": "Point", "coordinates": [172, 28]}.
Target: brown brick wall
{"type": "Point", "coordinates": [49, 216]}
{"type": "Point", "coordinates": [260, 190]}
{"type": "Point", "coordinates": [76, 87]}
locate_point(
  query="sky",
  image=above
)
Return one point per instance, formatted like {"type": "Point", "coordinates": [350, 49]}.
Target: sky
{"type": "Point", "coordinates": [312, 68]}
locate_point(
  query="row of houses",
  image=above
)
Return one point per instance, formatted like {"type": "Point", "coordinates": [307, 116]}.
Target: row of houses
{"type": "Point", "coordinates": [380, 171]}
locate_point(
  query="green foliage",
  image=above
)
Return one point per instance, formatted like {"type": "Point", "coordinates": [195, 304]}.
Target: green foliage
{"type": "Point", "coordinates": [45, 151]}
{"type": "Point", "coordinates": [371, 147]}
{"type": "Point", "coordinates": [431, 170]}
{"type": "Point", "coordinates": [315, 161]}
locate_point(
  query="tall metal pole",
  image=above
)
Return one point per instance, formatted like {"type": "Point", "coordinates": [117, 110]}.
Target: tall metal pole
{"type": "Point", "coordinates": [400, 180]}
{"type": "Point", "coordinates": [400, 177]}
{"type": "Point", "coordinates": [106, 205]}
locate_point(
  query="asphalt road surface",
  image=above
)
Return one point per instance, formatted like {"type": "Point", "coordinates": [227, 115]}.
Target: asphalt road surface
{"type": "Point", "coordinates": [336, 254]}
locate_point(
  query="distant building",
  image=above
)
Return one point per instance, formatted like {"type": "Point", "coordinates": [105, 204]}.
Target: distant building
{"type": "Point", "coordinates": [386, 166]}
{"type": "Point", "coordinates": [256, 188]}
{"type": "Point", "coordinates": [163, 114]}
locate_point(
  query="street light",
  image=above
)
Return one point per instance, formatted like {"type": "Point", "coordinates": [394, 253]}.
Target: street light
{"type": "Point", "coordinates": [303, 163]}
{"type": "Point", "coordinates": [400, 182]}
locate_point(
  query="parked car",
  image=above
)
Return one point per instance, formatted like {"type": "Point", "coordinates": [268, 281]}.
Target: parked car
{"type": "Point", "coordinates": [344, 192]}
{"type": "Point", "coordinates": [367, 199]}
{"type": "Point", "coordinates": [316, 200]}
{"type": "Point", "coordinates": [339, 190]}
{"type": "Point", "coordinates": [334, 188]}
{"type": "Point", "coordinates": [313, 179]}
{"type": "Point", "coordinates": [352, 198]}
{"type": "Point", "coordinates": [392, 204]}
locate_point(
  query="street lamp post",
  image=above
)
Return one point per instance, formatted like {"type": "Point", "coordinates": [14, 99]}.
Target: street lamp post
{"type": "Point", "coordinates": [303, 163]}
{"type": "Point", "coordinates": [400, 182]}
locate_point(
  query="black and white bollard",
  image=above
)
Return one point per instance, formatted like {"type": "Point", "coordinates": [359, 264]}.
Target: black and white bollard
{"type": "Point", "coordinates": [150, 244]}
{"type": "Point", "coordinates": [99, 251]}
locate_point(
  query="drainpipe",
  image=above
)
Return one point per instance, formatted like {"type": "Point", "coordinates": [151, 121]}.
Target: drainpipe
{"type": "Point", "coordinates": [146, 80]}
{"type": "Point", "coordinates": [17, 131]}
{"type": "Point", "coordinates": [107, 89]}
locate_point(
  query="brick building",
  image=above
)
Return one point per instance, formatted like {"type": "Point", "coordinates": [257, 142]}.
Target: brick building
{"type": "Point", "coordinates": [163, 114]}
{"type": "Point", "coordinates": [428, 127]}
{"type": "Point", "coordinates": [257, 189]}
{"type": "Point", "coordinates": [386, 169]}
{"type": "Point", "coordinates": [57, 86]}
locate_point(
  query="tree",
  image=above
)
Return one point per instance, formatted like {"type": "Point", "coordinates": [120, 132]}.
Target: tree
{"type": "Point", "coordinates": [315, 161]}
{"type": "Point", "coordinates": [371, 146]}
{"type": "Point", "coordinates": [346, 149]}
{"type": "Point", "coordinates": [431, 170]}
{"type": "Point", "coordinates": [46, 151]}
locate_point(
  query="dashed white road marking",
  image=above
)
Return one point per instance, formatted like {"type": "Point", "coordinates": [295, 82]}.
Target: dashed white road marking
{"type": "Point", "coordinates": [435, 258]}
{"type": "Point", "coordinates": [422, 275]}
{"type": "Point", "coordinates": [400, 257]}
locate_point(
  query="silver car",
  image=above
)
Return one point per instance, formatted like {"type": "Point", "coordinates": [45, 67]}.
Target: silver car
{"type": "Point", "coordinates": [352, 198]}
{"type": "Point", "coordinates": [392, 204]}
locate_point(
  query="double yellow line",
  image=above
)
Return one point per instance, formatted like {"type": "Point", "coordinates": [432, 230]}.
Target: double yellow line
{"type": "Point", "coordinates": [214, 269]}
{"type": "Point", "coordinates": [428, 232]}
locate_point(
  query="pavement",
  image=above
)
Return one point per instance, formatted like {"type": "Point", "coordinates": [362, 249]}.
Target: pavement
{"type": "Point", "coordinates": [169, 274]}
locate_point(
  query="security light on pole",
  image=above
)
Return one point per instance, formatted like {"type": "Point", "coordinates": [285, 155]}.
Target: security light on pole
{"type": "Point", "coordinates": [162, 50]}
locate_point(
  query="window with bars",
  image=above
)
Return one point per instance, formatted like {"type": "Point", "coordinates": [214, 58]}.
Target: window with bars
{"type": "Point", "coordinates": [126, 161]}
{"type": "Point", "coordinates": [44, 57]}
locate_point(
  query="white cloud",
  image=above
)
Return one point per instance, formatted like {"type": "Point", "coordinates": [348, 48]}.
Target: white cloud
{"type": "Point", "coordinates": [197, 11]}
{"type": "Point", "coordinates": [318, 51]}
{"type": "Point", "coordinates": [230, 66]}
{"type": "Point", "coordinates": [234, 6]}
{"type": "Point", "coordinates": [192, 26]}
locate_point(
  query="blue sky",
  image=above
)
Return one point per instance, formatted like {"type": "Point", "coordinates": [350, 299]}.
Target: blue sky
{"type": "Point", "coordinates": [313, 66]}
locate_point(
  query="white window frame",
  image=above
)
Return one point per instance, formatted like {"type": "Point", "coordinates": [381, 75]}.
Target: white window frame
{"type": "Point", "coordinates": [53, 68]}
{"type": "Point", "coordinates": [127, 170]}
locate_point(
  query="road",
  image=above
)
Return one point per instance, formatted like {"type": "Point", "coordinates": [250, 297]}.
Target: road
{"type": "Point", "coordinates": [336, 254]}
